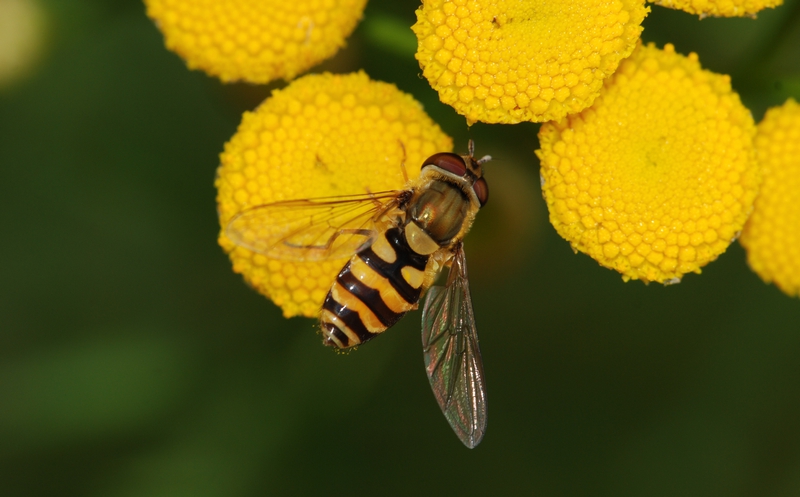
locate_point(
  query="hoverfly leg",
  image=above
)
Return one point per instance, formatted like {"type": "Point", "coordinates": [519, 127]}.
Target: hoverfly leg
{"type": "Point", "coordinates": [403, 162]}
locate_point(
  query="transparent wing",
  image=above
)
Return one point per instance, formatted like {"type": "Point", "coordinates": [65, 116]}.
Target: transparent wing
{"type": "Point", "coordinates": [312, 229]}
{"type": "Point", "coordinates": [452, 357]}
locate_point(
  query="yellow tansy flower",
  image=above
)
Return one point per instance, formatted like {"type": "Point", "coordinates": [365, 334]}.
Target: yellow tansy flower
{"type": "Point", "coordinates": [255, 40]}
{"type": "Point", "coordinates": [507, 61]}
{"type": "Point", "coordinates": [772, 234]}
{"type": "Point", "coordinates": [22, 38]}
{"type": "Point", "coordinates": [719, 8]}
{"type": "Point", "coordinates": [657, 178]}
{"type": "Point", "coordinates": [322, 135]}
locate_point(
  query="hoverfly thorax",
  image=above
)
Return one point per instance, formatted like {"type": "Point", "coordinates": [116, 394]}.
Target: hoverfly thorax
{"type": "Point", "coordinates": [452, 191]}
{"type": "Point", "coordinates": [440, 210]}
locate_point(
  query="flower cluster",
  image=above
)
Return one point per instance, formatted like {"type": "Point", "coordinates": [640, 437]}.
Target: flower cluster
{"type": "Point", "coordinates": [649, 163]}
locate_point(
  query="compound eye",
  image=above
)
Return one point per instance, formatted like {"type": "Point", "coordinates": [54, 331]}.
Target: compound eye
{"type": "Point", "coordinates": [481, 190]}
{"type": "Point", "coordinates": [450, 162]}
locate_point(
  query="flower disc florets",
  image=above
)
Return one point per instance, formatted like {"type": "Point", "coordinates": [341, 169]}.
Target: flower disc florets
{"type": "Point", "coordinates": [772, 234]}
{"type": "Point", "coordinates": [507, 61]}
{"type": "Point", "coordinates": [255, 40]}
{"type": "Point", "coordinates": [657, 178]}
{"type": "Point", "coordinates": [719, 8]}
{"type": "Point", "coordinates": [323, 135]}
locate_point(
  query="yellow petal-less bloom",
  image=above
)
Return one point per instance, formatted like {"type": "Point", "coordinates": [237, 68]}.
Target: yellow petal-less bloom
{"type": "Point", "coordinates": [657, 178]}
{"type": "Point", "coordinates": [255, 40]}
{"type": "Point", "coordinates": [322, 135]}
{"type": "Point", "coordinates": [772, 234]}
{"type": "Point", "coordinates": [23, 33]}
{"type": "Point", "coordinates": [719, 8]}
{"type": "Point", "coordinates": [508, 61]}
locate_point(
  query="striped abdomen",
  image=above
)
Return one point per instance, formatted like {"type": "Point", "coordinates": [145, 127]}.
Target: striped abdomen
{"type": "Point", "coordinates": [373, 291]}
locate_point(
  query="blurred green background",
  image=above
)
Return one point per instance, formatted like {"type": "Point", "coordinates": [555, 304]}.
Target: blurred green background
{"type": "Point", "coordinates": [134, 362]}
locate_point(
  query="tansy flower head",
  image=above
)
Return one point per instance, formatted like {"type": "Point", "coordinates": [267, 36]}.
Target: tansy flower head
{"type": "Point", "coordinates": [719, 8]}
{"type": "Point", "coordinates": [255, 40]}
{"type": "Point", "coordinates": [22, 38]}
{"type": "Point", "coordinates": [659, 175]}
{"type": "Point", "coordinates": [323, 135]}
{"type": "Point", "coordinates": [772, 234]}
{"type": "Point", "coordinates": [507, 61]}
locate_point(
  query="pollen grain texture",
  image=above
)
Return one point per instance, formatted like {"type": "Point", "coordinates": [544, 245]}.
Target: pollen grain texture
{"type": "Point", "coordinates": [255, 40]}
{"type": "Point", "coordinates": [323, 135]}
{"type": "Point", "coordinates": [658, 177]}
{"type": "Point", "coordinates": [508, 61]}
{"type": "Point", "coordinates": [772, 234]}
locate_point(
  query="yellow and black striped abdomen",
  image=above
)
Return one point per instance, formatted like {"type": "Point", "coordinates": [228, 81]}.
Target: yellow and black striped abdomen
{"type": "Point", "coordinates": [373, 291]}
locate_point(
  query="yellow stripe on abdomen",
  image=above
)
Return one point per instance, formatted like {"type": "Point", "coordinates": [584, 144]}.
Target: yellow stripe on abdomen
{"type": "Point", "coordinates": [372, 279]}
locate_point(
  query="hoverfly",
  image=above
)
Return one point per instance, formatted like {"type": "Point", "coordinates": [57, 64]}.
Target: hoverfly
{"type": "Point", "coordinates": [398, 241]}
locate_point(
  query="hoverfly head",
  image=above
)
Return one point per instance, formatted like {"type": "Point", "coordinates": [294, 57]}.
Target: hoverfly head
{"type": "Point", "coordinates": [465, 167]}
